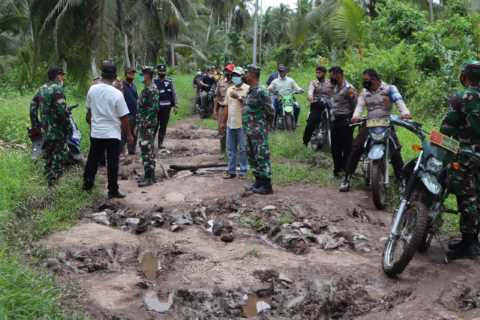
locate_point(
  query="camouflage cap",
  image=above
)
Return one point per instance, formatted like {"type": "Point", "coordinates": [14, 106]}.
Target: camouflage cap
{"type": "Point", "coordinates": [239, 71]}
{"type": "Point", "coordinates": [254, 69]}
{"type": "Point", "coordinates": [147, 70]}
{"type": "Point", "coordinates": [471, 69]}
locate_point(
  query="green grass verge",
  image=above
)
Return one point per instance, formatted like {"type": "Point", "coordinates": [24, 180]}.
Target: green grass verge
{"type": "Point", "coordinates": [30, 211]}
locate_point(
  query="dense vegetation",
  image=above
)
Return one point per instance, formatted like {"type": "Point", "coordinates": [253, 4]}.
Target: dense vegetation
{"type": "Point", "coordinates": [419, 53]}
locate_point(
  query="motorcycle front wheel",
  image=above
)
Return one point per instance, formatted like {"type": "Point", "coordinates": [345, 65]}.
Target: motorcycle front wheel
{"type": "Point", "coordinates": [289, 122]}
{"type": "Point", "coordinates": [399, 250]}
{"type": "Point", "coordinates": [377, 181]}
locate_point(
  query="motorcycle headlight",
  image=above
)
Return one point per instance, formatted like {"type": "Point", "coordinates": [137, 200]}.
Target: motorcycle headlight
{"type": "Point", "coordinates": [434, 165]}
{"type": "Point", "coordinates": [378, 136]}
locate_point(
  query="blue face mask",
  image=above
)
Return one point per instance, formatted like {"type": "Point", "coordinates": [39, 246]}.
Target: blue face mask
{"type": "Point", "coordinates": [237, 80]}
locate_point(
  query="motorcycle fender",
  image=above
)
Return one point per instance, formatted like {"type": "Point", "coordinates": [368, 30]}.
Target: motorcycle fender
{"type": "Point", "coordinates": [431, 183]}
{"type": "Point", "coordinates": [376, 152]}
{"type": "Point", "coordinates": [288, 109]}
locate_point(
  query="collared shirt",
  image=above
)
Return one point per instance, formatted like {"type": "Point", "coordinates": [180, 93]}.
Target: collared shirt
{"type": "Point", "coordinates": [318, 88]}
{"type": "Point", "coordinates": [107, 106]}
{"type": "Point", "coordinates": [131, 96]}
{"type": "Point", "coordinates": [379, 102]}
{"type": "Point", "coordinates": [344, 99]}
{"type": "Point", "coordinates": [221, 91]}
{"type": "Point", "coordinates": [284, 86]}
{"type": "Point", "coordinates": [235, 106]}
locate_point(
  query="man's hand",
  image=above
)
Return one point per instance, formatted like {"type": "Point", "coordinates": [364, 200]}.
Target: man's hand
{"type": "Point", "coordinates": [234, 95]}
{"type": "Point", "coordinates": [406, 116]}
{"type": "Point", "coordinates": [130, 138]}
{"type": "Point", "coordinates": [355, 120]}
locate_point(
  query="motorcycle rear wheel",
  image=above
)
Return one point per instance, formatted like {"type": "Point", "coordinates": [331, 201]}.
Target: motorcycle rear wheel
{"type": "Point", "coordinates": [377, 181]}
{"type": "Point", "coordinates": [413, 224]}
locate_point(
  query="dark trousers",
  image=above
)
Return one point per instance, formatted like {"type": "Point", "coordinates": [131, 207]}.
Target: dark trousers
{"type": "Point", "coordinates": [163, 118]}
{"type": "Point", "coordinates": [358, 148]}
{"type": "Point", "coordinates": [97, 151]}
{"type": "Point", "coordinates": [342, 139]}
{"type": "Point", "coordinates": [313, 121]}
{"type": "Point", "coordinates": [132, 121]}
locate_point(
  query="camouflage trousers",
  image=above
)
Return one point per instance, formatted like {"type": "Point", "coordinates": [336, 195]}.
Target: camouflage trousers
{"type": "Point", "coordinates": [466, 186]}
{"type": "Point", "coordinates": [147, 148]}
{"type": "Point", "coordinates": [258, 152]}
{"type": "Point", "coordinates": [56, 156]}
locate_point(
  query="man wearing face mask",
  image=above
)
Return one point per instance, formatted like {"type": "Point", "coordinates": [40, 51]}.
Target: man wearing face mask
{"type": "Point", "coordinates": [236, 140]}
{"type": "Point", "coordinates": [344, 101]}
{"type": "Point", "coordinates": [378, 97]}
{"type": "Point", "coordinates": [53, 125]}
{"type": "Point", "coordinates": [220, 105]}
{"type": "Point", "coordinates": [283, 86]}
{"type": "Point", "coordinates": [318, 89]}
{"type": "Point", "coordinates": [167, 101]}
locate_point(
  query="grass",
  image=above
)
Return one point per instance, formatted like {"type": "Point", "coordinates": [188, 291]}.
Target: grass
{"type": "Point", "coordinates": [30, 211]}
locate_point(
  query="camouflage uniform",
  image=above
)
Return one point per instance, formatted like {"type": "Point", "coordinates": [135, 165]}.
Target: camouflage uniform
{"type": "Point", "coordinates": [147, 120]}
{"type": "Point", "coordinates": [257, 116]}
{"type": "Point", "coordinates": [56, 127]}
{"type": "Point", "coordinates": [463, 123]}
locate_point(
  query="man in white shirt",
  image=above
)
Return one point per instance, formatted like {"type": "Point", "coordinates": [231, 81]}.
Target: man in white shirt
{"type": "Point", "coordinates": [107, 114]}
{"type": "Point", "coordinates": [283, 86]}
{"type": "Point", "coordinates": [236, 140]}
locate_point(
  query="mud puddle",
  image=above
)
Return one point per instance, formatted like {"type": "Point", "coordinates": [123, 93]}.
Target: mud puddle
{"type": "Point", "coordinates": [195, 246]}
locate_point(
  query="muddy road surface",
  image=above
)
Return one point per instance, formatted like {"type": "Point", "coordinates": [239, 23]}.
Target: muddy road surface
{"type": "Point", "coordinates": [196, 246]}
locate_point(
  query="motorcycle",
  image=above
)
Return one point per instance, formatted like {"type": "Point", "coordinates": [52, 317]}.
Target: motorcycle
{"type": "Point", "coordinates": [205, 108]}
{"type": "Point", "coordinates": [418, 218]}
{"type": "Point", "coordinates": [285, 120]}
{"type": "Point", "coordinates": [73, 142]}
{"type": "Point", "coordinates": [322, 136]}
{"type": "Point", "coordinates": [378, 148]}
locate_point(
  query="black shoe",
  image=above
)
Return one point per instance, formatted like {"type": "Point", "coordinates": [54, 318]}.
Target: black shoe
{"type": "Point", "coordinates": [467, 248]}
{"type": "Point", "coordinates": [254, 185]}
{"type": "Point", "coordinates": [265, 187]}
{"type": "Point", "coordinates": [228, 176]}
{"type": "Point", "coordinates": [146, 183]}
{"type": "Point", "coordinates": [116, 195]}
{"type": "Point", "coordinates": [345, 186]}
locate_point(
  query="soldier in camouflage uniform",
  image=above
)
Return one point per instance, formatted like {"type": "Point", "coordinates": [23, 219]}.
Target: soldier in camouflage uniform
{"type": "Point", "coordinates": [463, 123]}
{"type": "Point", "coordinates": [147, 120]}
{"type": "Point", "coordinates": [258, 116]}
{"type": "Point", "coordinates": [54, 122]}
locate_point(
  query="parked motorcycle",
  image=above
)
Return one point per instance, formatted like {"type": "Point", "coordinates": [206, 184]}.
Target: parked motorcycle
{"type": "Point", "coordinates": [378, 147]}
{"type": "Point", "coordinates": [206, 102]}
{"type": "Point", "coordinates": [418, 218]}
{"type": "Point", "coordinates": [73, 143]}
{"type": "Point", "coordinates": [322, 136]}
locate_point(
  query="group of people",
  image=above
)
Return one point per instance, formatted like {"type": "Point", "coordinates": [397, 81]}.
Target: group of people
{"type": "Point", "coordinates": [245, 112]}
{"type": "Point", "coordinates": [118, 117]}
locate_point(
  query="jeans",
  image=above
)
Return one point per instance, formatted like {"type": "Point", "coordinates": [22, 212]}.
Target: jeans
{"type": "Point", "coordinates": [97, 151]}
{"type": "Point", "coordinates": [237, 148]}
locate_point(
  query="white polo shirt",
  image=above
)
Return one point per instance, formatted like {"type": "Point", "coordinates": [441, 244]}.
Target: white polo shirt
{"type": "Point", "coordinates": [107, 106]}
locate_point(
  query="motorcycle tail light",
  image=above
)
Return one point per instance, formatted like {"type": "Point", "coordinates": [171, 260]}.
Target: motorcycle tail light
{"type": "Point", "coordinates": [455, 166]}
{"type": "Point", "coordinates": [416, 148]}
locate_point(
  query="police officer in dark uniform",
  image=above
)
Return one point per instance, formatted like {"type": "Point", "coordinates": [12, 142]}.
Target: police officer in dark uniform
{"type": "Point", "coordinates": [168, 100]}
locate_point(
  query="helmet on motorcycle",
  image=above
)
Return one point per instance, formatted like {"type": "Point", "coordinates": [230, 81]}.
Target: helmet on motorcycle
{"type": "Point", "coordinates": [471, 69]}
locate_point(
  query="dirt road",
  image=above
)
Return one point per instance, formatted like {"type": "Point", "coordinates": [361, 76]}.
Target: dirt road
{"type": "Point", "coordinates": [195, 246]}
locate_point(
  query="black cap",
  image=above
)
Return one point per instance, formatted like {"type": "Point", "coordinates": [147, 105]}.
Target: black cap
{"type": "Point", "coordinates": [162, 68]}
{"type": "Point", "coordinates": [147, 70]}
{"type": "Point", "coordinates": [109, 70]}
{"type": "Point", "coordinates": [282, 68]}
{"type": "Point", "coordinates": [53, 72]}
{"type": "Point", "coordinates": [254, 69]}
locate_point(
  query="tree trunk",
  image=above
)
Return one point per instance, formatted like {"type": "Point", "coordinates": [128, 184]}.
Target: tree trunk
{"type": "Point", "coordinates": [255, 34]}
{"type": "Point", "coordinates": [127, 62]}
{"type": "Point", "coordinates": [93, 66]}
{"type": "Point", "coordinates": [172, 54]}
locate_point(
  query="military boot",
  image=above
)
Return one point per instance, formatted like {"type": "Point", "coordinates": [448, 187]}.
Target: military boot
{"type": "Point", "coordinates": [148, 180]}
{"type": "Point", "coordinates": [467, 248]}
{"type": "Point", "coordinates": [254, 185]}
{"type": "Point", "coordinates": [265, 187]}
